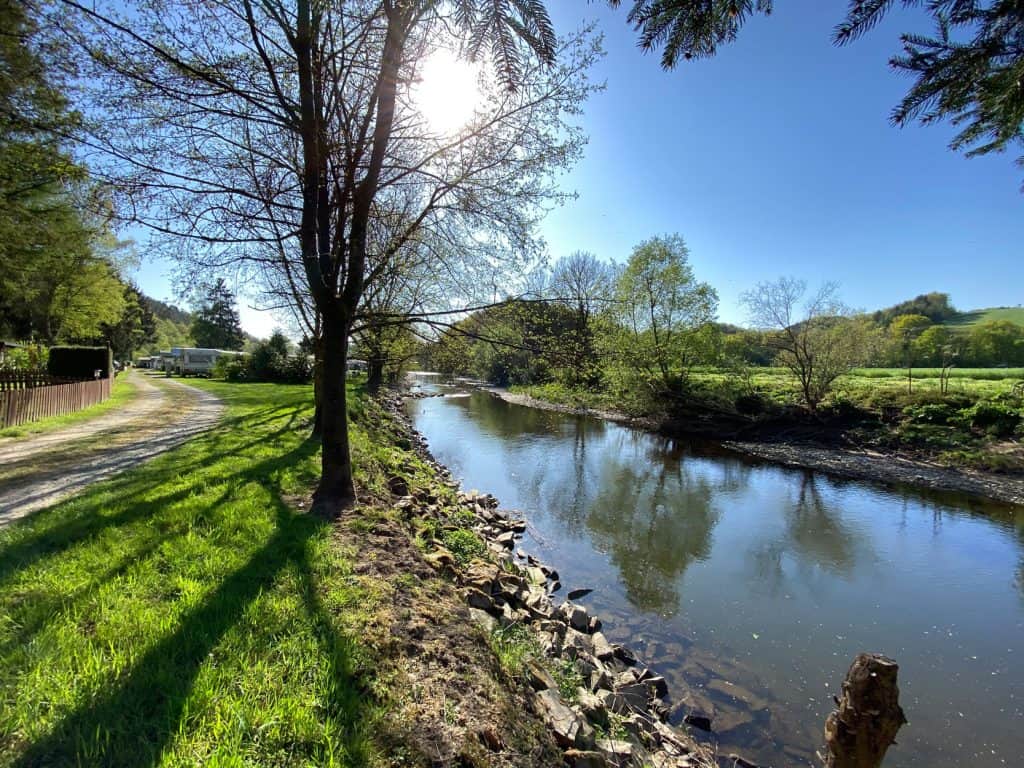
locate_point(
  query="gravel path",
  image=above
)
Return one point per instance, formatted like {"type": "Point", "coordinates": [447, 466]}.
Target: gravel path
{"type": "Point", "coordinates": [37, 472]}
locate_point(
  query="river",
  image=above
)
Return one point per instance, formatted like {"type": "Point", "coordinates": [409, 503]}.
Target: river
{"type": "Point", "coordinates": [751, 587]}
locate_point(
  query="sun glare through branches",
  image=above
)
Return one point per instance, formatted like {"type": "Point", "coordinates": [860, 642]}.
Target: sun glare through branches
{"type": "Point", "coordinates": [447, 91]}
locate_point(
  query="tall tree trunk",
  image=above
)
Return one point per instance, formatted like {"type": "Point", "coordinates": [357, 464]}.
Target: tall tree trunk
{"type": "Point", "coordinates": [318, 386]}
{"type": "Point", "coordinates": [336, 490]}
{"type": "Point", "coordinates": [374, 372]}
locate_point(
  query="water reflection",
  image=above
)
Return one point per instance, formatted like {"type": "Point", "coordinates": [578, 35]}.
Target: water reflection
{"type": "Point", "coordinates": [654, 519]}
{"type": "Point", "coordinates": [751, 587]}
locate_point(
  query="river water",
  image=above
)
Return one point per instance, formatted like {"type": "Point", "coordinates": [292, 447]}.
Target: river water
{"type": "Point", "coordinates": [751, 587]}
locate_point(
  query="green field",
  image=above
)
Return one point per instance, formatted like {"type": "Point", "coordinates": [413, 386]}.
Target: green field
{"type": "Point", "coordinates": [978, 316]}
{"type": "Point", "coordinates": [875, 384]}
{"type": "Point", "coordinates": [978, 374]}
{"type": "Point", "coordinates": [862, 385]}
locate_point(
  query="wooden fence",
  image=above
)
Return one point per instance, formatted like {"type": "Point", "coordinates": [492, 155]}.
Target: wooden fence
{"type": "Point", "coordinates": [26, 378]}
{"type": "Point", "coordinates": [22, 401]}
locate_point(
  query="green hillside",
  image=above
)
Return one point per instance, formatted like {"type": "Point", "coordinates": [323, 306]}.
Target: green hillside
{"type": "Point", "coordinates": [978, 316]}
{"type": "Point", "coordinates": [173, 327]}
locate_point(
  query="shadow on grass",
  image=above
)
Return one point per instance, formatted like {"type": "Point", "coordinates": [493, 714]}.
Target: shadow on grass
{"type": "Point", "coordinates": [55, 533]}
{"type": "Point", "coordinates": [133, 720]}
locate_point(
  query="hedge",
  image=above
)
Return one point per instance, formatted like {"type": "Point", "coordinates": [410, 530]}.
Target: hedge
{"type": "Point", "coordinates": [80, 362]}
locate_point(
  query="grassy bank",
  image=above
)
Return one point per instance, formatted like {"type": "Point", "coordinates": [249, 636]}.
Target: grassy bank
{"type": "Point", "coordinates": [977, 423]}
{"type": "Point", "coordinates": [190, 613]}
{"type": "Point", "coordinates": [122, 391]}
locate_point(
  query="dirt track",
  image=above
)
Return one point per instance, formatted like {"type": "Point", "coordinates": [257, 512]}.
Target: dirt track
{"type": "Point", "coordinates": [36, 472]}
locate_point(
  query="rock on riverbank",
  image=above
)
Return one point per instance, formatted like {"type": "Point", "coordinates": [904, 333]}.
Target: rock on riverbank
{"type": "Point", "coordinates": [613, 711]}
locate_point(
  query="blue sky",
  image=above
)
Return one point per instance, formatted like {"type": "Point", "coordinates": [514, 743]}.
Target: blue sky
{"type": "Point", "coordinates": [777, 157]}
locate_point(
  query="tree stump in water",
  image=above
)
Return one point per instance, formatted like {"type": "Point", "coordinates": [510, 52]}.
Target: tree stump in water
{"type": "Point", "coordinates": [869, 715]}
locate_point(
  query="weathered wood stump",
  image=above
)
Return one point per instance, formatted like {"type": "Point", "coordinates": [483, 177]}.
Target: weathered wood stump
{"type": "Point", "coordinates": [858, 734]}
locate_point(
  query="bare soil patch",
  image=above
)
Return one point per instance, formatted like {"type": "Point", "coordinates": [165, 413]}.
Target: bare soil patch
{"type": "Point", "coordinates": [454, 705]}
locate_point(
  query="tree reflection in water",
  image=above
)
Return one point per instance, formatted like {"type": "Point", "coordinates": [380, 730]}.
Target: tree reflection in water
{"type": "Point", "coordinates": [816, 538]}
{"type": "Point", "coordinates": [634, 494]}
{"type": "Point", "coordinates": [654, 518]}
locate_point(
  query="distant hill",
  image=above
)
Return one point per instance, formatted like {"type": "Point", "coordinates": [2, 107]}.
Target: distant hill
{"type": "Point", "coordinates": [935, 306]}
{"type": "Point", "coordinates": [174, 327]}
{"type": "Point", "coordinates": [978, 316]}
{"type": "Point", "coordinates": [938, 308]}
{"type": "Point", "coordinates": [167, 311]}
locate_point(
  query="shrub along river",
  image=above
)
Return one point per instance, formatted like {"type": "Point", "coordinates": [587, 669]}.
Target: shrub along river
{"type": "Point", "coordinates": [751, 587]}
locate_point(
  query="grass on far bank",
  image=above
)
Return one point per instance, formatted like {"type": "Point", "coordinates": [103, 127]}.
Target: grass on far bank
{"type": "Point", "coordinates": [777, 384]}
{"type": "Point", "coordinates": [869, 386]}
{"type": "Point", "coordinates": [993, 314]}
{"type": "Point", "coordinates": [122, 391]}
{"type": "Point", "coordinates": [185, 614]}
{"type": "Point", "coordinates": [978, 423]}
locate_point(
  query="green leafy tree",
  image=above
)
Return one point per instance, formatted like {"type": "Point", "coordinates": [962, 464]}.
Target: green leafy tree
{"type": "Point", "coordinates": [935, 306]}
{"type": "Point", "coordinates": [998, 342]}
{"type": "Point", "coordinates": [904, 331]}
{"type": "Point", "coordinates": [665, 312]}
{"type": "Point", "coordinates": [386, 348]}
{"type": "Point", "coordinates": [268, 360]}
{"type": "Point", "coordinates": [969, 72]}
{"type": "Point", "coordinates": [940, 347]}
{"type": "Point", "coordinates": [450, 353]}
{"type": "Point", "coordinates": [216, 324]}
{"type": "Point", "coordinates": [59, 274]}
{"type": "Point", "coordinates": [814, 336]}
{"type": "Point", "coordinates": [585, 285]}
{"type": "Point", "coordinates": [34, 115]}
{"type": "Point", "coordinates": [53, 283]}
{"type": "Point", "coordinates": [134, 329]}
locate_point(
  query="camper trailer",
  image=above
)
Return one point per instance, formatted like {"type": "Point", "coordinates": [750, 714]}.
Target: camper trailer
{"type": "Point", "coordinates": [196, 362]}
{"type": "Point", "coordinates": [193, 361]}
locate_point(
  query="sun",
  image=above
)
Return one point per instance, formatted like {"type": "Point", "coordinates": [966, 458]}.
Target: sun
{"type": "Point", "coordinates": [447, 92]}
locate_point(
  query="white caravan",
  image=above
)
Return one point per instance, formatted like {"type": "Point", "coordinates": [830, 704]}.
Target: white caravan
{"type": "Point", "coordinates": [192, 361]}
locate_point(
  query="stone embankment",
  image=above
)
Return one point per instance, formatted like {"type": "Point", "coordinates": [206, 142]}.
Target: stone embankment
{"type": "Point", "coordinates": [617, 713]}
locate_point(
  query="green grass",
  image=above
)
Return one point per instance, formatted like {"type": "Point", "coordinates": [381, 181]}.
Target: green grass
{"type": "Point", "coordinates": [978, 374]}
{"type": "Point", "coordinates": [978, 316]}
{"type": "Point", "coordinates": [560, 394]}
{"type": "Point", "coordinates": [122, 392]}
{"type": "Point", "coordinates": [464, 545]}
{"type": "Point", "coordinates": [869, 386]}
{"type": "Point", "coordinates": [865, 385]}
{"type": "Point", "coordinates": [185, 614]}
{"type": "Point", "coordinates": [513, 646]}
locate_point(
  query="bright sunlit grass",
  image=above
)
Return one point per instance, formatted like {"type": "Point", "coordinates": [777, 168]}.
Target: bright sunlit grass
{"type": "Point", "coordinates": [185, 614]}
